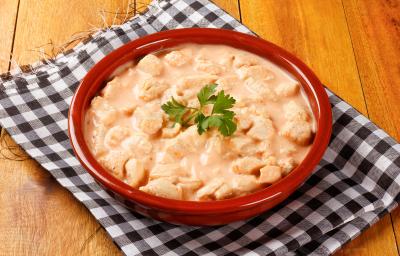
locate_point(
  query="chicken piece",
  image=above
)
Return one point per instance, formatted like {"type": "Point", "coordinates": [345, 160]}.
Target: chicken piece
{"type": "Point", "coordinates": [244, 122]}
{"type": "Point", "coordinates": [260, 89]}
{"type": "Point", "coordinates": [99, 103]}
{"type": "Point", "coordinates": [287, 89]}
{"type": "Point", "coordinates": [223, 192]}
{"type": "Point", "coordinates": [176, 148]}
{"type": "Point", "coordinates": [151, 64]}
{"type": "Point", "coordinates": [151, 89]}
{"type": "Point", "coordinates": [243, 117]}
{"type": "Point", "coordinates": [189, 183]}
{"type": "Point", "coordinates": [135, 172]}
{"type": "Point", "coordinates": [247, 165]}
{"type": "Point", "coordinates": [264, 147]}
{"type": "Point", "coordinates": [170, 132]}
{"type": "Point", "coordinates": [244, 184]}
{"type": "Point", "coordinates": [172, 179]}
{"type": "Point", "coordinates": [187, 141]}
{"type": "Point", "coordinates": [214, 148]}
{"type": "Point", "coordinates": [209, 67]}
{"type": "Point", "coordinates": [115, 136]}
{"type": "Point", "coordinates": [214, 144]}
{"type": "Point", "coordinates": [288, 150]}
{"type": "Point", "coordinates": [99, 132]}
{"type": "Point", "coordinates": [270, 174]}
{"type": "Point", "coordinates": [208, 190]}
{"type": "Point", "coordinates": [242, 145]}
{"type": "Point", "coordinates": [115, 161]}
{"type": "Point", "coordinates": [298, 131]}
{"type": "Point", "coordinates": [256, 72]}
{"type": "Point", "coordinates": [166, 158]}
{"type": "Point", "coordinates": [261, 111]}
{"type": "Point", "coordinates": [103, 112]}
{"type": "Point", "coordinates": [188, 186]}
{"type": "Point", "coordinates": [228, 83]}
{"type": "Point", "coordinates": [194, 82]}
{"type": "Point", "coordinates": [262, 129]}
{"type": "Point", "coordinates": [112, 89]}
{"type": "Point", "coordinates": [177, 58]}
{"type": "Point", "coordinates": [241, 60]}
{"type": "Point", "coordinates": [128, 109]}
{"type": "Point", "coordinates": [287, 164]}
{"type": "Point", "coordinates": [189, 95]}
{"type": "Point", "coordinates": [167, 170]}
{"type": "Point", "coordinates": [163, 188]}
{"type": "Point", "coordinates": [270, 160]}
{"type": "Point", "coordinates": [148, 120]}
{"type": "Point", "coordinates": [171, 92]}
{"type": "Point", "coordinates": [138, 144]}
{"type": "Point", "coordinates": [293, 111]}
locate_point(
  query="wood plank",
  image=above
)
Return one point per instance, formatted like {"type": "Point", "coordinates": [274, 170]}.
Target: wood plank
{"type": "Point", "coordinates": [97, 238]}
{"type": "Point", "coordinates": [230, 6]}
{"type": "Point", "coordinates": [317, 32]}
{"type": "Point", "coordinates": [375, 32]}
{"type": "Point", "coordinates": [8, 13]}
{"type": "Point", "coordinates": [37, 209]}
{"type": "Point", "coordinates": [375, 241]}
{"type": "Point", "coordinates": [43, 22]}
{"type": "Point", "coordinates": [39, 217]}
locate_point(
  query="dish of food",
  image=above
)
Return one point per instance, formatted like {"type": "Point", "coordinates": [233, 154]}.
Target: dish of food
{"type": "Point", "coordinates": [134, 134]}
{"type": "Point", "coordinates": [223, 112]}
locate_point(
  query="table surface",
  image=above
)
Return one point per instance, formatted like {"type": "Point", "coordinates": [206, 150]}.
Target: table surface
{"type": "Point", "coordinates": [352, 45]}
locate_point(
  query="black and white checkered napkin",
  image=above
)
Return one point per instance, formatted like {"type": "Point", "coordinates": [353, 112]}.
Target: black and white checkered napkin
{"type": "Point", "coordinates": [354, 185]}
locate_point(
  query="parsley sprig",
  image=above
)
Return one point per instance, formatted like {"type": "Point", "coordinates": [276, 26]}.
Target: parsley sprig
{"type": "Point", "coordinates": [221, 117]}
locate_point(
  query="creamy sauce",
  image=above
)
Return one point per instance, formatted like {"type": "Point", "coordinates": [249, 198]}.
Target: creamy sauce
{"type": "Point", "coordinates": [134, 139]}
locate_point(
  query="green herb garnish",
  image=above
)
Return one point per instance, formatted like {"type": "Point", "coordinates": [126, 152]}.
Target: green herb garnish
{"type": "Point", "coordinates": [221, 117]}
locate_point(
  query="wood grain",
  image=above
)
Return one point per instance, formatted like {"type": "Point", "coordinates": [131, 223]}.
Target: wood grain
{"type": "Point", "coordinates": [317, 31]}
{"type": "Point", "coordinates": [230, 6]}
{"type": "Point", "coordinates": [39, 217]}
{"type": "Point", "coordinates": [375, 30]}
{"type": "Point", "coordinates": [8, 14]}
{"type": "Point", "coordinates": [314, 30]}
{"type": "Point", "coordinates": [53, 22]}
{"type": "Point", "coordinates": [378, 240]}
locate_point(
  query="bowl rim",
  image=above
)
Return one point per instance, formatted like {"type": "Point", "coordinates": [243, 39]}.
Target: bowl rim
{"type": "Point", "coordinates": [293, 179]}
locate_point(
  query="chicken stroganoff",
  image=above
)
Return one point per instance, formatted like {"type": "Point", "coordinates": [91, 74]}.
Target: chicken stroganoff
{"type": "Point", "coordinates": [133, 138]}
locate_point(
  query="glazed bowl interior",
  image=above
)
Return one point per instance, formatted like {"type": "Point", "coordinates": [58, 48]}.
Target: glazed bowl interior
{"type": "Point", "coordinates": [101, 72]}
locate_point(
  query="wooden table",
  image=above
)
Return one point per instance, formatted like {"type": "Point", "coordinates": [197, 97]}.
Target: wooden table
{"type": "Point", "coordinates": [352, 45]}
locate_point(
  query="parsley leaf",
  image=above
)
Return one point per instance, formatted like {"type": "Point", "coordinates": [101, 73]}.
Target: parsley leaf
{"type": "Point", "coordinates": [205, 96]}
{"type": "Point", "coordinates": [225, 125]}
{"type": "Point", "coordinates": [175, 110]}
{"type": "Point", "coordinates": [199, 120]}
{"type": "Point", "coordinates": [222, 103]}
{"type": "Point", "coordinates": [228, 126]}
{"type": "Point", "coordinates": [221, 117]}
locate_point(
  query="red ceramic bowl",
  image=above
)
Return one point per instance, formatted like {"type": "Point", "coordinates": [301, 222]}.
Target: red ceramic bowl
{"type": "Point", "coordinates": [189, 212]}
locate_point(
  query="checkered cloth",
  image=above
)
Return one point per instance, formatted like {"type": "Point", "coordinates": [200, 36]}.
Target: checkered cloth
{"type": "Point", "coordinates": [354, 185]}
